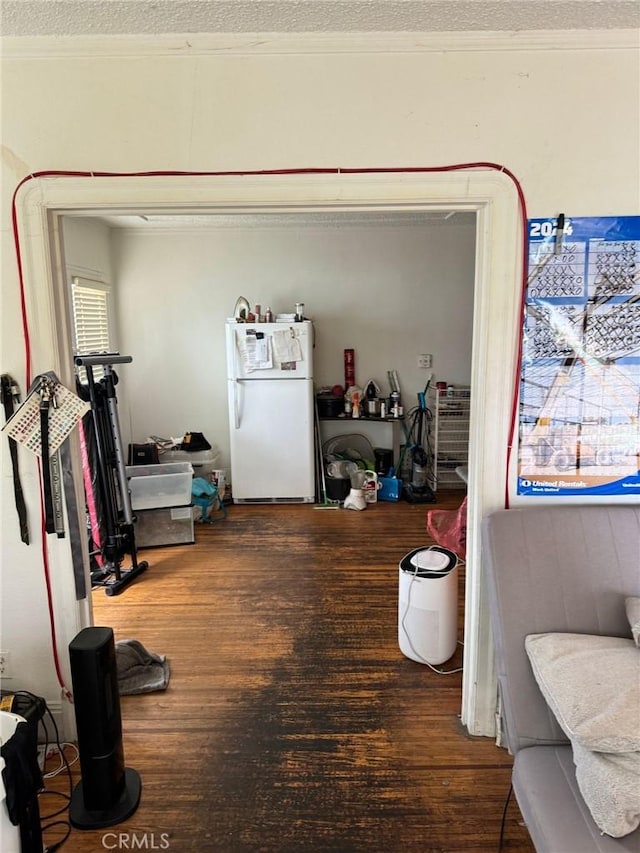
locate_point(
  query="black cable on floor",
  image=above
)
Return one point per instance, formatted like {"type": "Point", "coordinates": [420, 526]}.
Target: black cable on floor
{"type": "Point", "coordinates": [504, 818]}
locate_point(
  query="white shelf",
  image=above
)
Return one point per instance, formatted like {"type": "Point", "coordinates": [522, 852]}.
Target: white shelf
{"type": "Point", "coordinates": [450, 435]}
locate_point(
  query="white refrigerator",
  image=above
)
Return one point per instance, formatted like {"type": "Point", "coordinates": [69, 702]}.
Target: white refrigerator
{"type": "Point", "coordinates": [271, 411]}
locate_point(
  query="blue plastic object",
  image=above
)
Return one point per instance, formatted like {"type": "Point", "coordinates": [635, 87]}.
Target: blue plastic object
{"type": "Point", "coordinates": [390, 489]}
{"type": "Point", "coordinates": [205, 495]}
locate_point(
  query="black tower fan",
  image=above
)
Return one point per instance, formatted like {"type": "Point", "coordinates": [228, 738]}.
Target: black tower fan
{"type": "Point", "coordinates": [108, 792]}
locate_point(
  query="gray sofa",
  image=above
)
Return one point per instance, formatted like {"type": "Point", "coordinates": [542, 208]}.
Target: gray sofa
{"type": "Point", "coordinates": [555, 569]}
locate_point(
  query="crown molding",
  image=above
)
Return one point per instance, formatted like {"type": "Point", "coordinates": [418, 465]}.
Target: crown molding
{"type": "Point", "coordinates": [240, 44]}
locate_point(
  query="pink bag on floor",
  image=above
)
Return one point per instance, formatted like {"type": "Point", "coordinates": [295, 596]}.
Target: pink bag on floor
{"type": "Point", "coordinates": [448, 528]}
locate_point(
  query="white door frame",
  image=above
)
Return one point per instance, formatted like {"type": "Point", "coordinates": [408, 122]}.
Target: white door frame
{"type": "Point", "coordinates": [491, 194]}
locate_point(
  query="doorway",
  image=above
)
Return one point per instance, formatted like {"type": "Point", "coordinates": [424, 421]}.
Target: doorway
{"type": "Point", "coordinates": [389, 285]}
{"type": "Point", "coordinates": [490, 196]}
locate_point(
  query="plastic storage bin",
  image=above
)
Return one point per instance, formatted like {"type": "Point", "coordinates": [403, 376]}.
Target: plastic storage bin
{"type": "Point", "coordinates": [153, 486]}
{"type": "Point", "coordinates": [203, 462]}
{"type": "Point", "coordinates": [167, 526]}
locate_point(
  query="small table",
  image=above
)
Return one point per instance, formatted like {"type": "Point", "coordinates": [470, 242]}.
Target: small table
{"type": "Point", "coordinates": [396, 431]}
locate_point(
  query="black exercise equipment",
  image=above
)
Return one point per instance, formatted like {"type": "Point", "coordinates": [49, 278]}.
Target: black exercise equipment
{"type": "Point", "coordinates": [113, 489]}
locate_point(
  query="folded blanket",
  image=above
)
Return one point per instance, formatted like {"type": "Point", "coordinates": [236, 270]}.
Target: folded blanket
{"type": "Point", "coordinates": [139, 670]}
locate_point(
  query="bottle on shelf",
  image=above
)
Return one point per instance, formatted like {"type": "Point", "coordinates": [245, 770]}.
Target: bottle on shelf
{"type": "Point", "coordinates": [371, 396]}
{"type": "Point", "coordinates": [349, 369]}
{"type": "Point", "coordinates": [355, 405]}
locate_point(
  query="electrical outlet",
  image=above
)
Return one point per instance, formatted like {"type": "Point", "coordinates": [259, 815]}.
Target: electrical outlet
{"type": "Point", "coordinates": [425, 360]}
{"type": "Point", "coordinates": [4, 665]}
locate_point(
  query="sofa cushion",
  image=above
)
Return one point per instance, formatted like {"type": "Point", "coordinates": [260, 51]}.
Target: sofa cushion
{"type": "Point", "coordinates": [554, 809]}
{"type": "Point", "coordinates": [592, 685]}
{"type": "Point", "coordinates": [610, 786]}
{"type": "Point", "coordinates": [632, 606]}
{"type": "Point", "coordinates": [553, 568]}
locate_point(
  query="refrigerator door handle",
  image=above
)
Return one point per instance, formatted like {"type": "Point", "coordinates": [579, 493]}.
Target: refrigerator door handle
{"type": "Point", "coordinates": [236, 411]}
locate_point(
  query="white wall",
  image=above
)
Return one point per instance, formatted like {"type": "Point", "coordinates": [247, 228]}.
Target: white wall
{"type": "Point", "coordinates": [389, 292]}
{"type": "Point", "coordinates": [24, 629]}
{"type": "Point", "coordinates": [87, 246]}
{"type": "Point", "coordinates": [566, 122]}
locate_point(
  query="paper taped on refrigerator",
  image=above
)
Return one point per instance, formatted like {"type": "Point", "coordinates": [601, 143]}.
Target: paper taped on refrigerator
{"type": "Point", "coordinates": [270, 349]}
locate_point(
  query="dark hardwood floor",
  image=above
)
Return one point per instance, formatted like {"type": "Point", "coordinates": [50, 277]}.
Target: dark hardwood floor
{"type": "Point", "coordinates": [292, 721]}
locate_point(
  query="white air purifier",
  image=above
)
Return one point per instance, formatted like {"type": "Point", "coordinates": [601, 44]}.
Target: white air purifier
{"type": "Point", "coordinates": [428, 605]}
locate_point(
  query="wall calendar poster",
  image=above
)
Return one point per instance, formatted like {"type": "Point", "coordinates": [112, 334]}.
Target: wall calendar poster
{"type": "Point", "coordinates": [580, 379]}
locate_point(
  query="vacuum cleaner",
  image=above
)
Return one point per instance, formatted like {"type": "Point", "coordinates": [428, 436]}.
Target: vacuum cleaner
{"type": "Point", "coordinates": [417, 490]}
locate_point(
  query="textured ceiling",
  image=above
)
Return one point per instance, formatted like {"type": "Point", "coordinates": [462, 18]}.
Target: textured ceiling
{"type": "Point", "coordinates": [130, 17]}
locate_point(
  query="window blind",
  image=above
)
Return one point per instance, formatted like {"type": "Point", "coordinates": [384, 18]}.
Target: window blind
{"type": "Point", "coordinates": [91, 322]}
